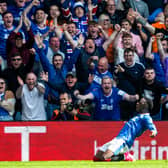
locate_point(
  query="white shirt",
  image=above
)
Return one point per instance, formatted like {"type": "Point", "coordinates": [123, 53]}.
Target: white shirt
{"type": "Point", "coordinates": [32, 104]}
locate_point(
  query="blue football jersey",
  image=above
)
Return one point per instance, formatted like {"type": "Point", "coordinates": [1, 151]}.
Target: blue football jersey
{"type": "Point", "coordinates": [135, 127]}
{"type": "Point", "coordinates": [107, 107]}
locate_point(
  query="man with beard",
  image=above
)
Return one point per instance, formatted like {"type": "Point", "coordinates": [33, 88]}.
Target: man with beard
{"type": "Point", "coordinates": [107, 100]}
{"type": "Point", "coordinates": [32, 98]}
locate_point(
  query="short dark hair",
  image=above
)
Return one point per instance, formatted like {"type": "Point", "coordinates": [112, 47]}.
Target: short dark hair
{"type": "Point", "coordinates": [42, 9]}
{"type": "Point", "coordinates": [149, 67]}
{"type": "Point", "coordinates": [88, 38]}
{"type": "Point", "coordinates": [57, 54]}
{"type": "Point", "coordinates": [126, 20]}
{"type": "Point", "coordinates": [53, 36]}
{"type": "Point", "coordinates": [71, 22]}
{"type": "Point", "coordinates": [3, 1]}
{"type": "Point", "coordinates": [126, 35]}
{"type": "Point", "coordinates": [5, 13]}
{"type": "Point", "coordinates": [64, 92]}
{"type": "Point", "coordinates": [92, 22]}
{"type": "Point", "coordinates": [16, 54]}
{"type": "Point", "coordinates": [127, 50]}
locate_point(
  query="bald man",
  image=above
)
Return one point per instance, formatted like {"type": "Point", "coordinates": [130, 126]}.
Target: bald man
{"type": "Point", "coordinates": [32, 98]}
{"type": "Point", "coordinates": [95, 78]}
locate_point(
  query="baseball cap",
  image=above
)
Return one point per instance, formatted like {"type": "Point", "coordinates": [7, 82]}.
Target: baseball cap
{"type": "Point", "coordinates": [18, 35]}
{"type": "Point", "coordinates": [71, 73]}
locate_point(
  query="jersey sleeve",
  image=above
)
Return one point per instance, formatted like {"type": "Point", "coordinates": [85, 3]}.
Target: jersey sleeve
{"type": "Point", "coordinates": [149, 123]}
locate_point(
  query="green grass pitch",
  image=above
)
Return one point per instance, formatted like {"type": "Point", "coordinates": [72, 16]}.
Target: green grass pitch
{"type": "Point", "coordinates": [86, 164]}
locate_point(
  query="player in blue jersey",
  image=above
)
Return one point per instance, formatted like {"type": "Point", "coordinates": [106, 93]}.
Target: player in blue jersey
{"type": "Point", "coordinates": [132, 129]}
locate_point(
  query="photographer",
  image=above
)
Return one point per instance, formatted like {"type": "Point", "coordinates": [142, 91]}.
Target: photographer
{"type": "Point", "coordinates": [69, 110]}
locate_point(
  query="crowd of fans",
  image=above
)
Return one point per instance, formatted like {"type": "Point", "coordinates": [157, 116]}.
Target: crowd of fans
{"type": "Point", "coordinates": [82, 59]}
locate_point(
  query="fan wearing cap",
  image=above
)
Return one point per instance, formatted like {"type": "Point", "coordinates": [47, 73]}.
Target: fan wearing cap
{"type": "Point", "coordinates": [79, 17]}
{"type": "Point", "coordinates": [66, 91]}
{"type": "Point", "coordinates": [70, 84]}
{"type": "Point", "coordinates": [16, 42]}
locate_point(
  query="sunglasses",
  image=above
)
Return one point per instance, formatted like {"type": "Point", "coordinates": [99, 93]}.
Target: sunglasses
{"type": "Point", "coordinates": [106, 20]}
{"type": "Point", "coordinates": [2, 83]}
{"type": "Point", "coordinates": [16, 59]}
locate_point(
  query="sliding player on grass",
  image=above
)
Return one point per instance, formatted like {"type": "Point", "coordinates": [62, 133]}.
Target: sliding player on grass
{"type": "Point", "coordinates": [117, 148]}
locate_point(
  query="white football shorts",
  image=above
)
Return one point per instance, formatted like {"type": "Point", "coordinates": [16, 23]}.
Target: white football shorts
{"type": "Point", "coordinates": [117, 146]}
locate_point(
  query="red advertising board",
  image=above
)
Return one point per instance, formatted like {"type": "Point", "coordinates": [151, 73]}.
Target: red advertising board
{"type": "Point", "coordinates": [24, 141]}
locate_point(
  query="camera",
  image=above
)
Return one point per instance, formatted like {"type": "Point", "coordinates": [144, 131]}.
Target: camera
{"type": "Point", "coordinates": [69, 107]}
{"type": "Point", "coordinates": [80, 104]}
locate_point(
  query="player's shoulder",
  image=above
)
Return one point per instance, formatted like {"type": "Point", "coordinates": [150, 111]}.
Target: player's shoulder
{"type": "Point", "coordinates": [146, 117]}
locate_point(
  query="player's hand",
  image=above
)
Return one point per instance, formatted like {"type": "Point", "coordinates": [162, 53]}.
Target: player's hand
{"type": "Point", "coordinates": [153, 134]}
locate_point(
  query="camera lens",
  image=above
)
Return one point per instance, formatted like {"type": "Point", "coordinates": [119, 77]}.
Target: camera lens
{"type": "Point", "coordinates": [69, 107]}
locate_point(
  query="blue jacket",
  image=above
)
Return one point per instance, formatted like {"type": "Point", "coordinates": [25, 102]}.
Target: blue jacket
{"type": "Point", "coordinates": [56, 76]}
